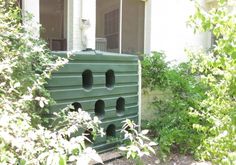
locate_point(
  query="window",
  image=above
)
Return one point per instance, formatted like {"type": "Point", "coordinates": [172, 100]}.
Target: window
{"type": "Point", "coordinates": [53, 18]}
{"type": "Point", "coordinates": [111, 30]}
{"type": "Point", "coordinates": [120, 26]}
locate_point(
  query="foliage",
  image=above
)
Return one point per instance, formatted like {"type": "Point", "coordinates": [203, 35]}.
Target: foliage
{"type": "Point", "coordinates": [137, 144]}
{"type": "Point", "coordinates": [25, 64]}
{"type": "Point", "coordinates": [153, 71]}
{"type": "Point", "coordinates": [173, 126]}
{"type": "Point", "coordinates": [199, 116]}
{"type": "Point", "coordinates": [217, 70]}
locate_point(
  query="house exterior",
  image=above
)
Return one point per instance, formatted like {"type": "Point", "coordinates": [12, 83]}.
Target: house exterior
{"type": "Point", "coordinates": [167, 30]}
{"type": "Point", "coordinates": [122, 26]}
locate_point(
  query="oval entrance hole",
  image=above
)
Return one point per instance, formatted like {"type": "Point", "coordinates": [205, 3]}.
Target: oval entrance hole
{"type": "Point", "coordinates": [120, 106]}
{"type": "Point", "coordinates": [88, 134]}
{"type": "Point", "coordinates": [76, 106]}
{"type": "Point", "coordinates": [110, 79]}
{"type": "Point", "coordinates": [111, 131]}
{"type": "Point", "coordinates": [99, 109]}
{"type": "Point", "coordinates": [87, 77]}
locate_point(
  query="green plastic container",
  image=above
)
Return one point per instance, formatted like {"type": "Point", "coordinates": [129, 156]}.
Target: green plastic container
{"type": "Point", "coordinates": [103, 84]}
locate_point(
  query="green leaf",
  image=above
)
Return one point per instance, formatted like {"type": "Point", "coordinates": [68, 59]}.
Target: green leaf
{"type": "Point", "coordinates": [62, 160]}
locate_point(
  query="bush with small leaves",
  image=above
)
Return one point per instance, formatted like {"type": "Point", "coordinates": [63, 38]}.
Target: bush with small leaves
{"type": "Point", "coordinates": [217, 70]}
{"type": "Point", "coordinates": [153, 71]}
{"type": "Point", "coordinates": [173, 124]}
{"type": "Point", "coordinates": [199, 115]}
{"type": "Point", "coordinates": [136, 144]}
{"type": "Point", "coordinates": [25, 65]}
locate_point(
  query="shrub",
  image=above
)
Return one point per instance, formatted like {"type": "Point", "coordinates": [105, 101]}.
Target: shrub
{"type": "Point", "coordinates": [153, 71]}
{"type": "Point", "coordinates": [25, 64]}
{"type": "Point", "coordinates": [173, 126]}
{"type": "Point", "coordinates": [217, 70]}
{"type": "Point", "coordinates": [199, 116]}
{"type": "Point", "coordinates": [136, 144]}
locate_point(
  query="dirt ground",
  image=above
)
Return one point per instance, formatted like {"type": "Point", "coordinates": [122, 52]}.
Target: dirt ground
{"type": "Point", "coordinates": [114, 158]}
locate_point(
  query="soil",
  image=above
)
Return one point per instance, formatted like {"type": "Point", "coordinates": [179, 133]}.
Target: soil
{"type": "Point", "coordinates": [114, 158]}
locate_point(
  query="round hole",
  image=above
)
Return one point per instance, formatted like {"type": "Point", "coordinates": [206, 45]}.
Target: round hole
{"type": "Point", "coordinates": [76, 106]}
{"type": "Point", "coordinates": [111, 131]}
{"type": "Point", "coordinates": [120, 106]}
{"type": "Point", "coordinates": [110, 79]}
{"type": "Point", "coordinates": [87, 76]}
{"type": "Point", "coordinates": [89, 136]}
{"type": "Point", "coordinates": [99, 108]}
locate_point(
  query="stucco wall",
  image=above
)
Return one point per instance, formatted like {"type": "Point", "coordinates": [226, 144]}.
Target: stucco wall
{"type": "Point", "coordinates": [168, 30]}
{"type": "Point", "coordinates": [211, 4]}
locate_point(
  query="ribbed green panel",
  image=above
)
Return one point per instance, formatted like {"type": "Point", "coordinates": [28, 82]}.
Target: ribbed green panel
{"type": "Point", "coordinates": [66, 87]}
{"type": "Point", "coordinates": [57, 82]}
{"type": "Point", "coordinates": [64, 94]}
{"type": "Point", "coordinates": [118, 123]}
{"type": "Point", "coordinates": [89, 104]}
{"type": "Point", "coordinates": [97, 68]}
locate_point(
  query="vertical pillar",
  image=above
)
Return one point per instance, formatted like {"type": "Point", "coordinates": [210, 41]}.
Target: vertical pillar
{"type": "Point", "coordinates": [65, 17]}
{"type": "Point", "coordinates": [89, 16]}
{"type": "Point", "coordinates": [120, 28]}
{"type": "Point", "coordinates": [81, 24]}
{"type": "Point", "coordinates": [31, 7]}
{"type": "Point", "coordinates": [73, 25]}
{"type": "Point", "coordinates": [147, 27]}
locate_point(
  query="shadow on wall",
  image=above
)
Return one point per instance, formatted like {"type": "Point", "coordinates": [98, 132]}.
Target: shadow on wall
{"type": "Point", "coordinates": [148, 111]}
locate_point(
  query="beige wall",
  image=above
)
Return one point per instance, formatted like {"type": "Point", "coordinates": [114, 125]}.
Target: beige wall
{"type": "Point", "coordinates": [211, 4]}
{"type": "Point", "coordinates": [169, 31]}
{"type": "Point", "coordinates": [132, 24]}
